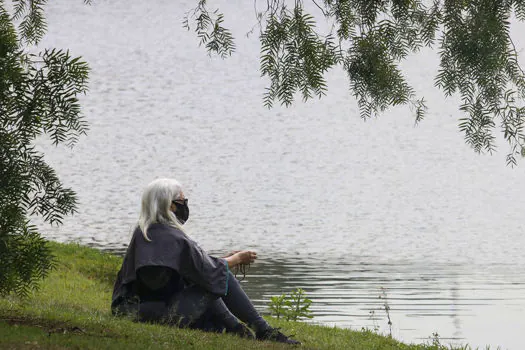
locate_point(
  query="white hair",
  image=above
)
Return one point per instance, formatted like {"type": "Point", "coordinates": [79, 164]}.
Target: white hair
{"type": "Point", "coordinates": [156, 202]}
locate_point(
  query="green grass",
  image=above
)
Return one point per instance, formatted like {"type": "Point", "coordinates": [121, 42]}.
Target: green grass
{"type": "Point", "coordinates": [71, 310]}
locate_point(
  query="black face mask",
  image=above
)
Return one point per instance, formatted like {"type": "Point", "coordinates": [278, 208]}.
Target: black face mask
{"type": "Point", "coordinates": [183, 211]}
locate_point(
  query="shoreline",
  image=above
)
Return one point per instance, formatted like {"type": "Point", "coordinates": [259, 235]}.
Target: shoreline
{"type": "Point", "coordinates": [71, 309]}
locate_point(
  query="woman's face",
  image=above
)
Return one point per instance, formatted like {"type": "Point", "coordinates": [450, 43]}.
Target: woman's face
{"type": "Point", "coordinates": [180, 199]}
{"type": "Point", "coordinates": [180, 208]}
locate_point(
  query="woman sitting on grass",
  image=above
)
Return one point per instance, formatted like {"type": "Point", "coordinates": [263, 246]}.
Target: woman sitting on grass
{"type": "Point", "coordinates": [167, 278]}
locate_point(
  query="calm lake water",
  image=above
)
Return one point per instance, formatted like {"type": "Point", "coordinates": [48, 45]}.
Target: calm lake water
{"type": "Point", "coordinates": [333, 204]}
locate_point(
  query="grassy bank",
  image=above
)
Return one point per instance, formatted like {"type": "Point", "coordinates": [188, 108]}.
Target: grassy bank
{"type": "Point", "coordinates": [71, 310]}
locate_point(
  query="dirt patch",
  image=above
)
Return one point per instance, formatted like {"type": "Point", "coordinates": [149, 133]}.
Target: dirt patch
{"type": "Point", "coordinates": [54, 327]}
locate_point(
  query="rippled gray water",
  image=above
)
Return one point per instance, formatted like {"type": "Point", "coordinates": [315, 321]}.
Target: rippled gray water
{"type": "Point", "coordinates": [332, 204]}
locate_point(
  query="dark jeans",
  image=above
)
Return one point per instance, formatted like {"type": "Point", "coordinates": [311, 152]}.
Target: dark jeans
{"type": "Point", "coordinates": [196, 308]}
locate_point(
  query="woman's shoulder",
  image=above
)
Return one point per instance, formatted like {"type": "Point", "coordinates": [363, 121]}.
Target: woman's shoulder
{"type": "Point", "coordinates": [165, 230]}
{"type": "Point", "coordinates": [164, 227]}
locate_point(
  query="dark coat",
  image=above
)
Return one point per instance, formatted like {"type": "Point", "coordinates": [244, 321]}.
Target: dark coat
{"type": "Point", "coordinates": [172, 248]}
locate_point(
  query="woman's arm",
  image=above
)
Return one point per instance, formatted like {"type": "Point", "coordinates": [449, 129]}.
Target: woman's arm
{"type": "Point", "coordinates": [230, 254]}
{"type": "Point", "coordinates": [241, 257]}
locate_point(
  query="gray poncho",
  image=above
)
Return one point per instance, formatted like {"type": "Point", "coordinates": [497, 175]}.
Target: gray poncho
{"type": "Point", "coordinates": [172, 248]}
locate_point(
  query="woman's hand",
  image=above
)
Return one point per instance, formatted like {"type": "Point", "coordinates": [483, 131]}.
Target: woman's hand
{"type": "Point", "coordinates": [246, 257]}
{"type": "Point", "coordinates": [243, 257]}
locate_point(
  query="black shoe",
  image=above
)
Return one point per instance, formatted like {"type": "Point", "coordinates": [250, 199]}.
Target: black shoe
{"type": "Point", "coordinates": [273, 334]}
{"type": "Point", "coordinates": [242, 331]}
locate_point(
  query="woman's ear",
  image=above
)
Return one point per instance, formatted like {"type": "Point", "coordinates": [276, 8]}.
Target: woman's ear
{"type": "Point", "coordinates": [173, 207]}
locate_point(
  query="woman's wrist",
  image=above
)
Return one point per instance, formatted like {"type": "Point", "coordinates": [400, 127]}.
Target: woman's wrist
{"type": "Point", "coordinates": [232, 260]}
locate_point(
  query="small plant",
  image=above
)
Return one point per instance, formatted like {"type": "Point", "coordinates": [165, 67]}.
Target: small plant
{"type": "Point", "coordinates": [277, 306]}
{"type": "Point", "coordinates": [292, 307]}
{"type": "Point", "coordinates": [372, 317]}
{"type": "Point", "coordinates": [387, 309]}
{"type": "Point", "coordinates": [298, 305]}
{"type": "Point", "coordinates": [435, 339]}
{"type": "Point", "coordinates": [386, 306]}
{"type": "Point", "coordinates": [435, 343]}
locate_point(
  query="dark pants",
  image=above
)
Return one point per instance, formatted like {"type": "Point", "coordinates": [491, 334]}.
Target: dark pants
{"type": "Point", "coordinates": [196, 308]}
